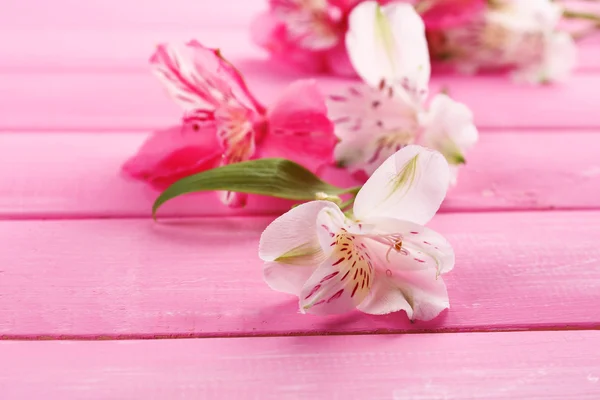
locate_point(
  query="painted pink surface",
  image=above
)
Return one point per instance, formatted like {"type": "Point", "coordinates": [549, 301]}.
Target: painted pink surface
{"type": "Point", "coordinates": [516, 365]}
{"type": "Point", "coordinates": [137, 278]}
{"type": "Point", "coordinates": [109, 15]}
{"type": "Point", "coordinates": [81, 67]}
{"type": "Point", "coordinates": [128, 49]}
{"type": "Point", "coordinates": [77, 100]}
{"type": "Point", "coordinates": [52, 175]}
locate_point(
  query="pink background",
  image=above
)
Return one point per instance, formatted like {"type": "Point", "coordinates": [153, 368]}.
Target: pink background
{"type": "Point", "coordinates": [85, 274]}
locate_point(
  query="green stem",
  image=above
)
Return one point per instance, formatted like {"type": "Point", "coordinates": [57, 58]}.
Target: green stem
{"type": "Point", "coordinates": [581, 15]}
{"type": "Point", "coordinates": [353, 190]}
{"type": "Point", "coordinates": [347, 204]}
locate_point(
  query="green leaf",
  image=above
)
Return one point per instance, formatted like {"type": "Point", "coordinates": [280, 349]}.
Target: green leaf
{"type": "Point", "coordinates": [275, 177]}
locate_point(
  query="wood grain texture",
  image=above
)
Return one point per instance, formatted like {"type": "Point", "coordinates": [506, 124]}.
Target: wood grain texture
{"type": "Point", "coordinates": [77, 175]}
{"type": "Point", "coordinates": [79, 100]}
{"type": "Point", "coordinates": [128, 49]}
{"type": "Point", "coordinates": [136, 278]}
{"type": "Point", "coordinates": [128, 15]}
{"type": "Point", "coordinates": [517, 365]}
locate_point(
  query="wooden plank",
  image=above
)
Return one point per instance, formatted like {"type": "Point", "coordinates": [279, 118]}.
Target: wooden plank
{"type": "Point", "coordinates": [107, 51]}
{"type": "Point", "coordinates": [524, 365]}
{"type": "Point", "coordinates": [77, 175]}
{"type": "Point", "coordinates": [126, 14]}
{"type": "Point", "coordinates": [129, 100]}
{"type": "Point", "coordinates": [203, 278]}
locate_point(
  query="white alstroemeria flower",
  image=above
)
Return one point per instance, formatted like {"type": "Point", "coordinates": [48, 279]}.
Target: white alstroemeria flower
{"type": "Point", "coordinates": [518, 34]}
{"type": "Point", "coordinates": [541, 53]}
{"type": "Point", "coordinates": [388, 49]}
{"type": "Point", "coordinates": [380, 260]}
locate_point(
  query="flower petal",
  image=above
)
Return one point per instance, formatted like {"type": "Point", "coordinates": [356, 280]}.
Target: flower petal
{"type": "Point", "coordinates": [372, 125]}
{"type": "Point", "coordinates": [200, 78]}
{"type": "Point", "coordinates": [308, 23]}
{"type": "Point", "coordinates": [557, 64]}
{"type": "Point", "coordinates": [341, 282]}
{"type": "Point", "coordinates": [174, 153]}
{"type": "Point", "coordinates": [410, 185]}
{"type": "Point", "coordinates": [299, 128]}
{"type": "Point", "coordinates": [338, 62]}
{"type": "Point", "coordinates": [418, 292]}
{"type": "Point", "coordinates": [416, 247]}
{"type": "Point", "coordinates": [290, 247]}
{"type": "Point", "coordinates": [407, 271]}
{"type": "Point", "coordinates": [269, 33]}
{"type": "Point", "coordinates": [388, 44]}
{"type": "Point", "coordinates": [449, 129]}
{"type": "Point", "coordinates": [236, 135]}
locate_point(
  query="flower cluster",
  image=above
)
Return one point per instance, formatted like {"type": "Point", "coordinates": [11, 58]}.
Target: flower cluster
{"type": "Point", "coordinates": [224, 123]}
{"type": "Point", "coordinates": [473, 35]}
{"type": "Point", "coordinates": [370, 251]}
{"type": "Point", "coordinates": [521, 36]}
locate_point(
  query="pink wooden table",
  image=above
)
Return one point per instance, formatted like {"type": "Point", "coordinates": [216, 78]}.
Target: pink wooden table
{"type": "Point", "coordinates": [99, 302]}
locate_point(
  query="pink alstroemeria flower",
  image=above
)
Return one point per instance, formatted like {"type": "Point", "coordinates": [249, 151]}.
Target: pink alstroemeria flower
{"type": "Point", "coordinates": [224, 123]}
{"type": "Point", "coordinates": [388, 49]}
{"type": "Point", "coordinates": [306, 33]}
{"type": "Point", "coordinates": [382, 259]}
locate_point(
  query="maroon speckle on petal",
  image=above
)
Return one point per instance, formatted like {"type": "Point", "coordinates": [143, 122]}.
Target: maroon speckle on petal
{"type": "Point", "coordinates": [337, 295]}
{"type": "Point", "coordinates": [338, 261]}
{"type": "Point", "coordinates": [354, 91]}
{"type": "Point", "coordinates": [388, 272]}
{"type": "Point", "coordinates": [345, 275]}
{"type": "Point", "coordinates": [341, 120]}
{"type": "Point", "coordinates": [427, 243]}
{"type": "Point", "coordinates": [319, 302]}
{"type": "Point", "coordinates": [328, 277]}
{"type": "Point", "coordinates": [419, 260]}
{"type": "Point", "coordinates": [355, 274]}
{"type": "Point", "coordinates": [313, 291]}
{"type": "Point", "coordinates": [354, 291]}
{"type": "Point", "coordinates": [414, 232]}
{"type": "Point", "coordinates": [336, 97]}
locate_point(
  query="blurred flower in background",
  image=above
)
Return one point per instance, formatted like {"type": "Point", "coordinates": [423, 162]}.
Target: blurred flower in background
{"type": "Point", "coordinates": [522, 37]}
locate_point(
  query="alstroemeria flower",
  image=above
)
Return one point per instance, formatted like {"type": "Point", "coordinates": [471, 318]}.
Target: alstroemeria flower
{"type": "Point", "coordinates": [388, 49]}
{"type": "Point", "coordinates": [380, 260]}
{"type": "Point", "coordinates": [306, 33]}
{"type": "Point", "coordinates": [224, 123]}
{"type": "Point", "coordinates": [511, 34]}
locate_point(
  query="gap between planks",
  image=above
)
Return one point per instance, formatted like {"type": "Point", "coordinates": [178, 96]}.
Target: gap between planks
{"type": "Point", "coordinates": [108, 337]}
